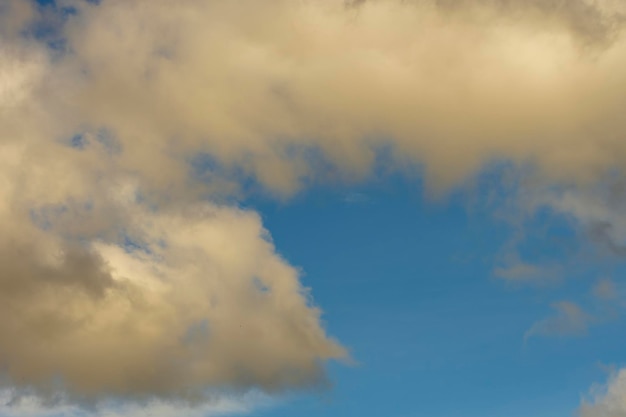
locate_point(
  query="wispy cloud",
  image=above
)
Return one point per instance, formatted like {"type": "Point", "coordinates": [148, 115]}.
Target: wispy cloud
{"type": "Point", "coordinates": [521, 272]}
{"type": "Point", "coordinates": [25, 405]}
{"type": "Point", "coordinates": [569, 320]}
{"type": "Point", "coordinates": [605, 289]}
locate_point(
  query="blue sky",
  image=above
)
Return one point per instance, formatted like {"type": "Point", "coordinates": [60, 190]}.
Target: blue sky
{"type": "Point", "coordinates": [408, 285]}
{"type": "Point", "coordinates": [314, 208]}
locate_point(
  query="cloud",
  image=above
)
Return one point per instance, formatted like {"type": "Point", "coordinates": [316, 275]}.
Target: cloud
{"type": "Point", "coordinates": [518, 271]}
{"type": "Point", "coordinates": [15, 15]}
{"type": "Point", "coordinates": [450, 91]}
{"type": "Point", "coordinates": [169, 307]}
{"type": "Point", "coordinates": [18, 70]}
{"type": "Point", "coordinates": [607, 401]}
{"type": "Point", "coordinates": [126, 274]}
{"type": "Point", "coordinates": [592, 22]}
{"type": "Point", "coordinates": [12, 405]}
{"type": "Point", "coordinates": [111, 288]}
{"type": "Point", "coordinates": [605, 289]}
{"type": "Point", "coordinates": [569, 320]}
{"type": "Point", "coordinates": [597, 209]}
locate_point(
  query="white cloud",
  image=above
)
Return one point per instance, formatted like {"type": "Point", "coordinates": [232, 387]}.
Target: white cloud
{"type": "Point", "coordinates": [609, 400]}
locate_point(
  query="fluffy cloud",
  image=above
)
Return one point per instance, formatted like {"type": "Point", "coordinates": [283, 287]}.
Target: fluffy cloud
{"type": "Point", "coordinates": [260, 86]}
{"type": "Point", "coordinates": [179, 303]}
{"type": "Point", "coordinates": [608, 401]}
{"type": "Point", "coordinates": [108, 291]}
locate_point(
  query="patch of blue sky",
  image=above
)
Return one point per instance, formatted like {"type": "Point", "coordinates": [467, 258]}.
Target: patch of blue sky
{"type": "Point", "coordinates": [47, 28]}
{"type": "Point", "coordinates": [78, 141]}
{"type": "Point", "coordinates": [406, 283]}
{"type": "Point", "coordinates": [102, 136]}
{"type": "Point", "coordinates": [131, 244]}
{"type": "Point", "coordinates": [53, 6]}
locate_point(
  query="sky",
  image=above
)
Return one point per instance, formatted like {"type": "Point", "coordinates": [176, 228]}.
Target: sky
{"type": "Point", "coordinates": [301, 208]}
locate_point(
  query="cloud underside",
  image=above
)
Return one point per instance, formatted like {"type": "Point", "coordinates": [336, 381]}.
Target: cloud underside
{"type": "Point", "coordinates": [123, 273]}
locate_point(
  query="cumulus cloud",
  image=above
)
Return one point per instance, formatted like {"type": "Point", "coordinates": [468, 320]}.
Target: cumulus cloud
{"type": "Point", "coordinates": [108, 291]}
{"type": "Point", "coordinates": [124, 271]}
{"type": "Point", "coordinates": [181, 302]}
{"type": "Point", "coordinates": [609, 400]}
{"type": "Point", "coordinates": [450, 90]}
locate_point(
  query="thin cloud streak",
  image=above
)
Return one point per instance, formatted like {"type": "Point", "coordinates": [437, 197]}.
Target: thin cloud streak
{"type": "Point", "coordinates": [569, 320]}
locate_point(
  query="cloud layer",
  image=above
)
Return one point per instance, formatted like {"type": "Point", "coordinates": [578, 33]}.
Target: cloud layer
{"type": "Point", "coordinates": [125, 129]}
